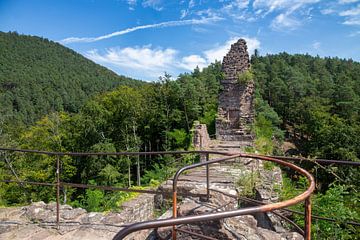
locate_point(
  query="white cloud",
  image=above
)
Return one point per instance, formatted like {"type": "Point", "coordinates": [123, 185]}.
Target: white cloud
{"type": "Point", "coordinates": [252, 44]}
{"type": "Point", "coordinates": [316, 45]}
{"type": "Point", "coordinates": [239, 4]}
{"type": "Point", "coordinates": [132, 4]}
{"type": "Point", "coordinates": [147, 62]}
{"type": "Point", "coordinates": [218, 52]}
{"type": "Point", "coordinates": [184, 13]}
{"type": "Point", "coordinates": [155, 4]}
{"type": "Point", "coordinates": [352, 16]}
{"type": "Point", "coordinates": [272, 5]}
{"type": "Point", "coordinates": [289, 13]}
{"type": "Point", "coordinates": [347, 1]}
{"type": "Point", "coordinates": [327, 11]}
{"type": "Point", "coordinates": [133, 29]}
{"type": "Point", "coordinates": [352, 21]}
{"type": "Point", "coordinates": [353, 34]}
{"type": "Point", "coordinates": [192, 61]}
{"type": "Point", "coordinates": [351, 12]}
{"type": "Point", "coordinates": [285, 22]}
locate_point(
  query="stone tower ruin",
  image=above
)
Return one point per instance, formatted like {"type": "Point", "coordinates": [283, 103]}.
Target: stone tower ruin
{"type": "Point", "coordinates": [236, 99]}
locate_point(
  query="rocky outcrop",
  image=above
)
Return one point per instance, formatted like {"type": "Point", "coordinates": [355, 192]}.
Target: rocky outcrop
{"type": "Point", "coordinates": [236, 101]}
{"type": "Point", "coordinates": [38, 221]}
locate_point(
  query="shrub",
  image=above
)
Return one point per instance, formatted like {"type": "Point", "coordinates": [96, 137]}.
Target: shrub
{"type": "Point", "coordinates": [245, 77]}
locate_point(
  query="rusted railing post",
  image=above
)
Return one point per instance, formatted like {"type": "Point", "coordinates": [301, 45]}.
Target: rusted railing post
{"type": "Point", "coordinates": [307, 219]}
{"type": "Point", "coordinates": [174, 213]}
{"type": "Point", "coordinates": [58, 192]}
{"type": "Point", "coordinates": [207, 178]}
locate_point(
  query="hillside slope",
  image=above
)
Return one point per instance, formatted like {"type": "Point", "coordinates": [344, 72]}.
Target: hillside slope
{"type": "Point", "coordinates": [38, 76]}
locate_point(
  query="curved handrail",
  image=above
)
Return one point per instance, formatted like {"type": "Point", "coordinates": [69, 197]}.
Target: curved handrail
{"type": "Point", "coordinates": [175, 221]}
{"type": "Point", "coordinates": [78, 154]}
{"type": "Point", "coordinates": [219, 215]}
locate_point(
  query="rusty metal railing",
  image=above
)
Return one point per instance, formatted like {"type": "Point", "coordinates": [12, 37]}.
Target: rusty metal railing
{"type": "Point", "coordinates": [305, 196]}
{"type": "Point", "coordinates": [58, 184]}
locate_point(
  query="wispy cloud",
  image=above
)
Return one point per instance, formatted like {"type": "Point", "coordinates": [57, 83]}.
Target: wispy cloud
{"type": "Point", "coordinates": [132, 4]}
{"type": "Point", "coordinates": [347, 1]}
{"type": "Point", "coordinates": [327, 11]}
{"type": "Point", "coordinates": [149, 62]}
{"type": "Point", "coordinates": [351, 12]}
{"type": "Point", "coordinates": [289, 12]}
{"type": "Point", "coordinates": [316, 45]}
{"type": "Point", "coordinates": [284, 21]}
{"type": "Point", "coordinates": [354, 34]}
{"type": "Point", "coordinates": [347, 9]}
{"type": "Point", "coordinates": [145, 60]}
{"type": "Point", "coordinates": [352, 16]}
{"type": "Point", "coordinates": [218, 52]}
{"type": "Point", "coordinates": [133, 29]}
{"type": "Point", "coordinates": [155, 4]}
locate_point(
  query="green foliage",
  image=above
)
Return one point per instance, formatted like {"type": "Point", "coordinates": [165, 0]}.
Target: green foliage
{"type": "Point", "coordinates": [247, 183]}
{"type": "Point", "coordinates": [317, 100]}
{"type": "Point", "coordinates": [157, 175]}
{"type": "Point", "coordinates": [266, 127]}
{"type": "Point", "coordinates": [269, 165]}
{"type": "Point", "coordinates": [109, 175]}
{"type": "Point", "coordinates": [93, 200]}
{"type": "Point", "coordinates": [245, 77]}
{"type": "Point", "coordinates": [267, 135]}
{"type": "Point", "coordinates": [179, 139]}
{"type": "Point", "coordinates": [39, 76]}
{"type": "Point", "coordinates": [336, 203]}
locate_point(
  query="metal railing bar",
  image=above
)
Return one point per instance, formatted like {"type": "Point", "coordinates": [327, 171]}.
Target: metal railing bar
{"type": "Point", "coordinates": [67, 223]}
{"type": "Point", "coordinates": [78, 185]}
{"type": "Point", "coordinates": [284, 209]}
{"type": "Point", "coordinates": [111, 153]}
{"type": "Point", "coordinates": [29, 182]}
{"type": "Point", "coordinates": [324, 161]}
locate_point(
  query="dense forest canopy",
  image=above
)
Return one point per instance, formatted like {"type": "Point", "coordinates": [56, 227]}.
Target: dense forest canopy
{"type": "Point", "coordinates": [318, 101]}
{"type": "Point", "coordinates": [309, 101]}
{"type": "Point", "coordinates": [38, 76]}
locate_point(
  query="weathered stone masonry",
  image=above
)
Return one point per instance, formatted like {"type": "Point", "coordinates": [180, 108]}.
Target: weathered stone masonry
{"type": "Point", "coordinates": [236, 102]}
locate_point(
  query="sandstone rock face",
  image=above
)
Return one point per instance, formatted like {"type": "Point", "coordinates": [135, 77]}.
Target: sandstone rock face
{"type": "Point", "coordinates": [38, 221]}
{"type": "Point", "coordinates": [236, 101]}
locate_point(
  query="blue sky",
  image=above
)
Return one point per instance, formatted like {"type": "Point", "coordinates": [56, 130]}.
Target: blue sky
{"type": "Point", "coordinates": [145, 38]}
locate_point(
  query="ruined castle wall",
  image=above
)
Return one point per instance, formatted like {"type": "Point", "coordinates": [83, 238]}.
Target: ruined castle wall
{"type": "Point", "coordinates": [236, 101]}
{"type": "Point", "coordinates": [201, 137]}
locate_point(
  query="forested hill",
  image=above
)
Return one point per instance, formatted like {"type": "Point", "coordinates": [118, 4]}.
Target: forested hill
{"type": "Point", "coordinates": [38, 76]}
{"type": "Point", "coordinates": [317, 99]}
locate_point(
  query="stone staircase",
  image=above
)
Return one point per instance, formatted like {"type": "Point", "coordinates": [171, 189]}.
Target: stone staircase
{"type": "Point", "coordinates": [230, 146]}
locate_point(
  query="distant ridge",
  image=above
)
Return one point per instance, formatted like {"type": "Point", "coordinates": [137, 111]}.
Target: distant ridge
{"type": "Point", "coordinates": [38, 76]}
